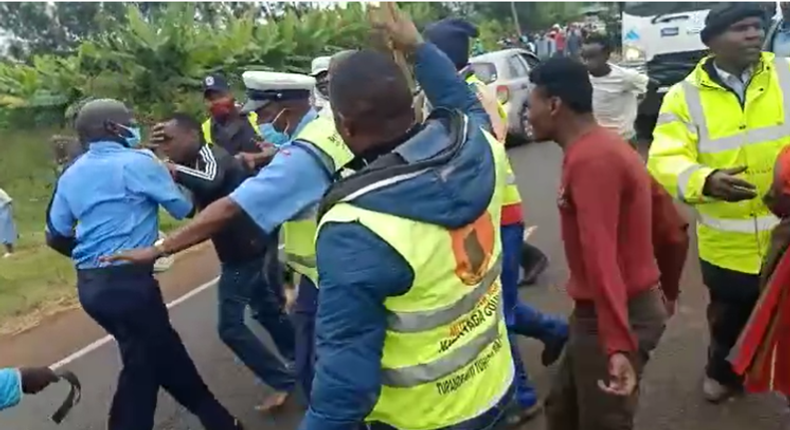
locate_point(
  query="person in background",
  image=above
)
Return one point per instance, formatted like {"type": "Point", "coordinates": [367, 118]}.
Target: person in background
{"type": "Point", "coordinates": [574, 41]}
{"type": "Point", "coordinates": [451, 36]}
{"type": "Point", "coordinates": [236, 132]}
{"type": "Point", "coordinates": [112, 194]}
{"type": "Point", "coordinates": [619, 313]}
{"type": "Point", "coordinates": [718, 135]}
{"type": "Point", "coordinates": [16, 382]}
{"type": "Point", "coordinates": [559, 40]}
{"type": "Point", "coordinates": [778, 40]}
{"type": "Point", "coordinates": [319, 69]}
{"type": "Point", "coordinates": [616, 90]}
{"type": "Point", "coordinates": [8, 233]}
{"type": "Point", "coordinates": [210, 173]}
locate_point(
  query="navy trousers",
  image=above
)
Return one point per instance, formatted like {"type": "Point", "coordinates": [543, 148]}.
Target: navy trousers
{"type": "Point", "coordinates": [304, 325]}
{"type": "Point", "coordinates": [126, 301]}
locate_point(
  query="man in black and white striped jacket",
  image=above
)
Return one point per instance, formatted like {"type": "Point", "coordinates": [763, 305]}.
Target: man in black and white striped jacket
{"type": "Point", "coordinates": [210, 173]}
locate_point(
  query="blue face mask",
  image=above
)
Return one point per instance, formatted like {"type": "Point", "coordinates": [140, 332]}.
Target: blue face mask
{"type": "Point", "coordinates": [132, 141]}
{"type": "Point", "coordinates": [271, 135]}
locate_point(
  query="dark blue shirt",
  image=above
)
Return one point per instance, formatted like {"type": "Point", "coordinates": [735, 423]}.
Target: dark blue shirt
{"type": "Point", "coordinates": [108, 200]}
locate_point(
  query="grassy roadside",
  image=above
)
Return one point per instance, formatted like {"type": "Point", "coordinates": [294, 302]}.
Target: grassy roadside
{"type": "Point", "coordinates": [35, 281]}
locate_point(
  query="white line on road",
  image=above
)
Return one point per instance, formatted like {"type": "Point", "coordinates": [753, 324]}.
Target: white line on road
{"type": "Point", "coordinates": [106, 339]}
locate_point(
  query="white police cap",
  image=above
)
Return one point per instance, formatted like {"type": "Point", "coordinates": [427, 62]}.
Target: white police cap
{"type": "Point", "coordinates": [320, 65]}
{"type": "Point", "coordinates": [263, 88]}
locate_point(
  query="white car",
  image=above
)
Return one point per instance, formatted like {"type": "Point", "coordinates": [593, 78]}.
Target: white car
{"type": "Point", "coordinates": [507, 73]}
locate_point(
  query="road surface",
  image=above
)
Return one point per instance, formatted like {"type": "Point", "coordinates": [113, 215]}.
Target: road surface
{"type": "Point", "coordinates": [671, 396]}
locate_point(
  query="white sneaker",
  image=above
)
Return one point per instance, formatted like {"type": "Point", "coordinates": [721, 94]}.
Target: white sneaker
{"type": "Point", "coordinates": [716, 392]}
{"type": "Point", "coordinates": [7, 255]}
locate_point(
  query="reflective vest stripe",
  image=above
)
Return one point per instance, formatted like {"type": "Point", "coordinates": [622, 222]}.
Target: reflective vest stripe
{"type": "Point", "coordinates": [302, 260]}
{"type": "Point", "coordinates": [669, 117]}
{"type": "Point", "coordinates": [751, 225]}
{"type": "Point", "coordinates": [707, 145]}
{"type": "Point", "coordinates": [415, 322]}
{"type": "Point", "coordinates": [683, 180]}
{"type": "Point", "coordinates": [410, 376]}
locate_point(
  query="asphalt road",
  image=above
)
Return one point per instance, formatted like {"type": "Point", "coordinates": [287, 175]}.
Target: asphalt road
{"type": "Point", "coordinates": [671, 395]}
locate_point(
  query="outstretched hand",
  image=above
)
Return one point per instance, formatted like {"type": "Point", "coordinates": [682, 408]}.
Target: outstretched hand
{"type": "Point", "coordinates": [398, 27]}
{"type": "Point", "coordinates": [134, 256]}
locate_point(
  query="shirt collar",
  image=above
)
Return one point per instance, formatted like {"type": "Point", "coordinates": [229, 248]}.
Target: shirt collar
{"type": "Point", "coordinates": [103, 145]}
{"type": "Point", "coordinates": [728, 77]}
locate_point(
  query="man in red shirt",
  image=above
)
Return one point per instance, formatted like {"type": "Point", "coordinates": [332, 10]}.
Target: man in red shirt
{"type": "Point", "coordinates": [607, 217]}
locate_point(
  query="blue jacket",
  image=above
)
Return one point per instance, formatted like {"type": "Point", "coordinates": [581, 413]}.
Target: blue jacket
{"type": "Point", "coordinates": [358, 271]}
{"type": "Point", "coordinates": [10, 388]}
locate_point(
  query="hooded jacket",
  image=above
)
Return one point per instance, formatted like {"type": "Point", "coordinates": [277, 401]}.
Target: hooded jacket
{"type": "Point", "coordinates": [358, 270]}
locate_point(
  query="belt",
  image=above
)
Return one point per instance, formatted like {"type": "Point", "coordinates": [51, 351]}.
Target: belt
{"type": "Point", "coordinates": [74, 396]}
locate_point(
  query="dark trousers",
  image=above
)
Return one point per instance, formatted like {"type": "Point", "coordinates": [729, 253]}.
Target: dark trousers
{"type": "Point", "coordinates": [304, 322]}
{"type": "Point", "coordinates": [126, 301]}
{"type": "Point", "coordinates": [242, 285]}
{"type": "Point", "coordinates": [575, 401]}
{"type": "Point", "coordinates": [732, 298]}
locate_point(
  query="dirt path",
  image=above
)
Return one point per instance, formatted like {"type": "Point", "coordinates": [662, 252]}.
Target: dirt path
{"type": "Point", "coordinates": [59, 335]}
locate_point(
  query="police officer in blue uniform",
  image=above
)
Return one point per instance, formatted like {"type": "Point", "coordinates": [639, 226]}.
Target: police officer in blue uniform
{"type": "Point", "coordinates": [106, 201]}
{"type": "Point", "coordinates": [293, 182]}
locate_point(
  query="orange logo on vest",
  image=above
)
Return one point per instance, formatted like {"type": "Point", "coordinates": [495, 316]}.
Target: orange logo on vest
{"type": "Point", "coordinates": [473, 246]}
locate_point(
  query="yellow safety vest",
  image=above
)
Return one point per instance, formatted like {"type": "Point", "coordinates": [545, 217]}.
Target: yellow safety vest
{"type": "Point", "coordinates": [446, 357]}
{"type": "Point", "coordinates": [252, 118]}
{"type": "Point", "coordinates": [299, 233]}
{"type": "Point", "coordinates": [702, 127]}
{"type": "Point", "coordinates": [512, 195]}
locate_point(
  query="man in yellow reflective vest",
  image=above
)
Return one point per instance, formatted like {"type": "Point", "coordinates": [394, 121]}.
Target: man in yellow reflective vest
{"type": "Point", "coordinates": [718, 134]}
{"type": "Point", "coordinates": [452, 37]}
{"type": "Point", "coordinates": [411, 332]}
{"type": "Point", "coordinates": [311, 154]}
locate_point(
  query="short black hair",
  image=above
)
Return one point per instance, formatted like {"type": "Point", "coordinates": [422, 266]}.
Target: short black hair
{"type": "Point", "coordinates": [369, 84]}
{"type": "Point", "coordinates": [185, 121]}
{"type": "Point", "coordinates": [567, 79]}
{"type": "Point", "coordinates": [599, 39]}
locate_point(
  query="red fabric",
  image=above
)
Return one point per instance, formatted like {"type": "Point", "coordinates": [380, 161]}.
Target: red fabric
{"type": "Point", "coordinates": [512, 214]}
{"type": "Point", "coordinates": [605, 208]}
{"type": "Point", "coordinates": [670, 240]}
{"type": "Point", "coordinates": [763, 350]}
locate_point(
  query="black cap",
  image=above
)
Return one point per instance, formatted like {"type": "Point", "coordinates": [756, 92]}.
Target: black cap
{"type": "Point", "coordinates": [723, 15]}
{"type": "Point", "coordinates": [215, 83]}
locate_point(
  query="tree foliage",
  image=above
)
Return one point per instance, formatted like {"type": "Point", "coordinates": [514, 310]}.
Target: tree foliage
{"type": "Point", "coordinates": [154, 55]}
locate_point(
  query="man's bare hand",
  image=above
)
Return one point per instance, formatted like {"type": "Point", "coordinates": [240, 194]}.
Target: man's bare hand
{"type": "Point", "coordinates": [397, 26]}
{"type": "Point", "coordinates": [622, 376]}
{"type": "Point", "coordinates": [725, 185]}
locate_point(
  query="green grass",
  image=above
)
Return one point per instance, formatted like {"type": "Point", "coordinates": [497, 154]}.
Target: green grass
{"type": "Point", "coordinates": [35, 277]}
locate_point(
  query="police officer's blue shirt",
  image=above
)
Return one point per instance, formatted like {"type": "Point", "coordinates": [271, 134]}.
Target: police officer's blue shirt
{"type": "Point", "coordinates": [292, 182]}
{"type": "Point", "coordinates": [10, 388]}
{"type": "Point", "coordinates": [358, 271]}
{"type": "Point", "coordinates": [112, 195]}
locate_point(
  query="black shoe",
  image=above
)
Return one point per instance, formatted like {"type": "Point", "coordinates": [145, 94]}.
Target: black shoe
{"type": "Point", "coordinates": [552, 351]}
{"type": "Point", "coordinates": [533, 262]}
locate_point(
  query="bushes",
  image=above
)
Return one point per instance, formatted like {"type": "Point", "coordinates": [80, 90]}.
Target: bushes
{"type": "Point", "coordinates": [156, 62]}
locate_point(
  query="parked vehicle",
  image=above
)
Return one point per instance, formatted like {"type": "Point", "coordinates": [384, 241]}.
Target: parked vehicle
{"type": "Point", "coordinates": [507, 72]}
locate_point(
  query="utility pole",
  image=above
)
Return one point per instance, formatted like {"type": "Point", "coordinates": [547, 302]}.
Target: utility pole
{"type": "Point", "coordinates": [515, 17]}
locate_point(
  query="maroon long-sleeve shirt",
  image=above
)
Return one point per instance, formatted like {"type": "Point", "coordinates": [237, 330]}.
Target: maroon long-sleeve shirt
{"type": "Point", "coordinates": [606, 210]}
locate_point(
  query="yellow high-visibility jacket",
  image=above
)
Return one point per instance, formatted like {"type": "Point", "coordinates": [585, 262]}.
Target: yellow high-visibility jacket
{"type": "Point", "coordinates": [703, 126]}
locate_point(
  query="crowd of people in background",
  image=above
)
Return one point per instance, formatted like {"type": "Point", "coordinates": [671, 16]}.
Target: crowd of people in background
{"type": "Point", "coordinates": [558, 41]}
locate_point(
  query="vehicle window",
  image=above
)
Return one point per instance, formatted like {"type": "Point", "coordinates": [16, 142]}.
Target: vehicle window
{"type": "Point", "coordinates": [531, 61]}
{"type": "Point", "coordinates": [486, 72]}
{"type": "Point", "coordinates": [517, 67]}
